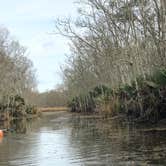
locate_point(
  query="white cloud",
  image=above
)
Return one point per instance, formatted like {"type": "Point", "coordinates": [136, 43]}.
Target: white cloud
{"type": "Point", "coordinates": [30, 21]}
{"type": "Point", "coordinates": [45, 44]}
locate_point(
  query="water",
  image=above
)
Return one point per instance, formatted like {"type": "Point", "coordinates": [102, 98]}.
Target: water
{"type": "Point", "coordinates": [62, 139]}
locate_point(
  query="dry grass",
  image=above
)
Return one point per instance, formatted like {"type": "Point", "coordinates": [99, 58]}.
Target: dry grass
{"type": "Point", "coordinates": [53, 109]}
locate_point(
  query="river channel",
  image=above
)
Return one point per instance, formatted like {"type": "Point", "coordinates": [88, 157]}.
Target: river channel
{"type": "Point", "coordinates": [64, 139]}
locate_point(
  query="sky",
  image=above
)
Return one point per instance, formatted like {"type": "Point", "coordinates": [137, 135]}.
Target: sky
{"type": "Point", "coordinates": [31, 22]}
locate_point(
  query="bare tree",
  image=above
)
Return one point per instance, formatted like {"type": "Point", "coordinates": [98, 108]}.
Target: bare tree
{"type": "Point", "coordinates": [17, 75]}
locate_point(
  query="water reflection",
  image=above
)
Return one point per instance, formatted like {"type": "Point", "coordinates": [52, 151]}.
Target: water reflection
{"type": "Point", "coordinates": [63, 139]}
{"type": "Point", "coordinates": [118, 143]}
{"type": "Point", "coordinates": [19, 126]}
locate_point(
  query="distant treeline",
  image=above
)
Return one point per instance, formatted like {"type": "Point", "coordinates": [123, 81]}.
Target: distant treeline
{"type": "Point", "coordinates": [115, 44]}
{"type": "Point", "coordinates": [53, 98]}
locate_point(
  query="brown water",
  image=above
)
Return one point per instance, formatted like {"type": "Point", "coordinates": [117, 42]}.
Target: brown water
{"type": "Point", "coordinates": [62, 139]}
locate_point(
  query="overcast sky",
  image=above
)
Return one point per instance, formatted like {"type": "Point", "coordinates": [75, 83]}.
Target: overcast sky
{"type": "Point", "coordinates": [31, 22]}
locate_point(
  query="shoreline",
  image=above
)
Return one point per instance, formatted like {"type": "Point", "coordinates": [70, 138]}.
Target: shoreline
{"type": "Point", "coordinates": [153, 127]}
{"type": "Point", "coordinates": [52, 109]}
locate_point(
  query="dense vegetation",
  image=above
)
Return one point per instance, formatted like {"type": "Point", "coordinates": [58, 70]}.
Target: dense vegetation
{"type": "Point", "coordinates": [53, 98]}
{"type": "Point", "coordinates": [17, 78]}
{"type": "Point", "coordinates": [147, 103]}
{"type": "Point", "coordinates": [118, 57]}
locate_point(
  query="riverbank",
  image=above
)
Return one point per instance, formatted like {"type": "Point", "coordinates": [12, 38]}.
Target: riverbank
{"type": "Point", "coordinates": [143, 101]}
{"type": "Point", "coordinates": [53, 109]}
{"type": "Point", "coordinates": [6, 118]}
{"type": "Point", "coordinates": [15, 107]}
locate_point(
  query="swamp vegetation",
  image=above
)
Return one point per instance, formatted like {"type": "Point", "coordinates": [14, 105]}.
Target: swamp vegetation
{"type": "Point", "coordinates": [17, 79]}
{"type": "Point", "coordinates": [147, 103]}
{"type": "Point", "coordinates": [115, 73]}
{"type": "Point", "coordinates": [117, 63]}
{"type": "Point", "coordinates": [118, 58]}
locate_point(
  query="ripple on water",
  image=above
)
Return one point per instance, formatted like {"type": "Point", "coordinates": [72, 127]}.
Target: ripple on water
{"type": "Point", "coordinates": [65, 140]}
